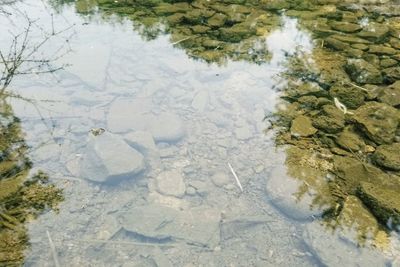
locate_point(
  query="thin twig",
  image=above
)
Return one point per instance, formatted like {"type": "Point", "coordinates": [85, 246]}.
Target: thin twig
{"type": "Point", "coordinates": [236, 177]}
{"type": "Point", "coordinates": [359, 87]}
{"type": "Point", "coordinates": [181, 40]}
{"type": "Point", "coordinates": [53, 250]}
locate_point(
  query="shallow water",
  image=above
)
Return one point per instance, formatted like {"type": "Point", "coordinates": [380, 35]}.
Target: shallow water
{"type": "Point", "coordinates": [123, 83]}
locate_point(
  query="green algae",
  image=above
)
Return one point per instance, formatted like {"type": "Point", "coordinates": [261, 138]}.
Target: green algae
{"type": "Point", "coordinates": [22, 198]}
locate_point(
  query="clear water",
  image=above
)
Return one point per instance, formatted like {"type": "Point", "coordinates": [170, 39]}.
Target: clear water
{"type": "Point", "coordinates": [222, 110]}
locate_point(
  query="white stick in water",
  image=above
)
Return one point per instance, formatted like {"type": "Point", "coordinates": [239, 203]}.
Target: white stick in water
{"type": "Point", "coordinates": [53, 250]}
{"type": "Point", "coordinates": [237, 179]}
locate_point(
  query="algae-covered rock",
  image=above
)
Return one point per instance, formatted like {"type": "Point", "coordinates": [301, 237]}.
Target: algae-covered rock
{"type": "Point", "coordinates": [336, 44]}
{"type": "Point", "coordinates": [362, 72]}
{"type": "Point", "coordinates": [391, 94]}
{"type": "Point", "coordinates": [350, 141]}
{"type": "Point", "coordinates": [384, 202]}
{"type": "Point", "coordinates": [388, 156]}
{"type": "Point", "coordinates": [391, 74]}
{"type": "Point", "coordinates": [302, 126]}
{"type": "Point", "coordinates": [344, 26]}
{"type": "Point", "coordinates": [378, 121]}
{"type": "Point", "coordinates": [381, 50]}
{"type": "Point", "coordinates": [331, 119]}
{"type": "Point", "coordinates": [374, 31]}
{"type": "Point", "coordinates": [350, 96]}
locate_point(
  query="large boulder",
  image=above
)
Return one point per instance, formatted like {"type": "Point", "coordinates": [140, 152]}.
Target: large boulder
{"type": "Point", "coordinates": [378, 121]}
{"type": "Point", "coordinates": [108, 158]}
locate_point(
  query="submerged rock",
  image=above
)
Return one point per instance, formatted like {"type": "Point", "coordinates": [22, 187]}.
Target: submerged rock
{"type": "Point", "coordinates": [350, 96]}
{"type": "Point", "coordinates": [392, 74]}
{"type": "Point", "coordinates": [196, 226]}
{"type": "Point", "coordinates": [363, 72]}
{"type": "Point", "coordinates": [388, 156]}
{"type": "Point", "coordinates": [171, 183]}
{"type": "Point", "coordinates": [378, 121]}
{"type": "Point", "coordinates": [333, 248]}
{"type": "Point", "coordinates": [109, 158]}
{"type": "Point", "coordinates": [391, 94]}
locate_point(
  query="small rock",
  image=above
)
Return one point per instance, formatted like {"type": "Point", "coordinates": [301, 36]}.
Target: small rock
{"type": "Point", "coordinates": [381, 50]}
{"type": "Point", "coordinates": [166, 127]}
{"type": "Point", "coordinates": [220, 179]}
{"type": "Point", "coordinates": [171, 183]}
{"type": "Point", "coordinates": [363, 72]}
{"type": "Point", "coordinates": [374, 31]}
{"type": "Point", "coordinates": [108, 158]}
{"type": "Point", "coordinates": [330, 120]}
{"type": "Point", "coordinates": [302, 126]}
{"type": "Point", "coordinates": [392, 74]}
{"type": "Point", "coordinates": [388, 156]}
{"type": "Point", "coordinates": [243, 133]}
{"type": "Point", "coordinates": [350, 96]}
{"type": "Point", "coordinates": [350, 141]}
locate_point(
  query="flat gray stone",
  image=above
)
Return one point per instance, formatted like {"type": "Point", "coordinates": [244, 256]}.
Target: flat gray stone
{"type": "Point", "coordinates": [166, 127]}
{"type": "Point", "coordinates": [108, 158]}
{"type": "Point", "coordinates": [171, 183]}
{"type": "Point", "coordinates": [196, 226]}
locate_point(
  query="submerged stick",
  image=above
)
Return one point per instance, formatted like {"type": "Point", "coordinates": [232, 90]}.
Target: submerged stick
{"type": "Point", "coordinates": [236, 177]}
{"type": "Point", "coordinates": [53, 250]}
{"type": "Point", "coordinates": [181, 40]}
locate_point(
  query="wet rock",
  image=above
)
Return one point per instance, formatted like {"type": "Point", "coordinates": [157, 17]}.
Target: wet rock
{"type": "Point", "coordinates": [349, 39]}
{"type": "Point", "coordinates": [331, 119]}
{"type": "Point", "coordinates": [196, 226]}
{"type": "Point", "coordinates": [302, 126]}
{"type": "Point", "coordinates": [336, 44]}
{"type": "Point", "coordinates": [345, 26]}
{"type": "Point", "coordinates": [109, 158]}
{"type": "Point", "coordinates": [388, 62]}
{"type": "Point", "coordinates": [333, 248]}
{"type": "Point", "coordinates": [384, 202]}
{"type": "Point", "coordinates": [391, 94]}
{"type": "Point", "coordinates": [350, 96]}
{"type": "Point", "coordinates": [355, 53]}
{"type": "Point", "coordinates": [378, 121]}
{"type": "Point", "coordinates": [350, 141]}
{"type": "Point", "coordinates": [362, 72]}
{"type": "Point", "coordinates": [220, 179]}
{"type": "Point", "coordinates": [217, 20]}
{"type": "Point", "coordinates": [381, 50]}
{"type": "Point", "coordinates": [388, 156]}
{"type": "Point", "coordinates": [171, 183]}
{"type": "Point", "coordinates": [375, 32]}
{"type": "Point", "coordinates": [391, 74]}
